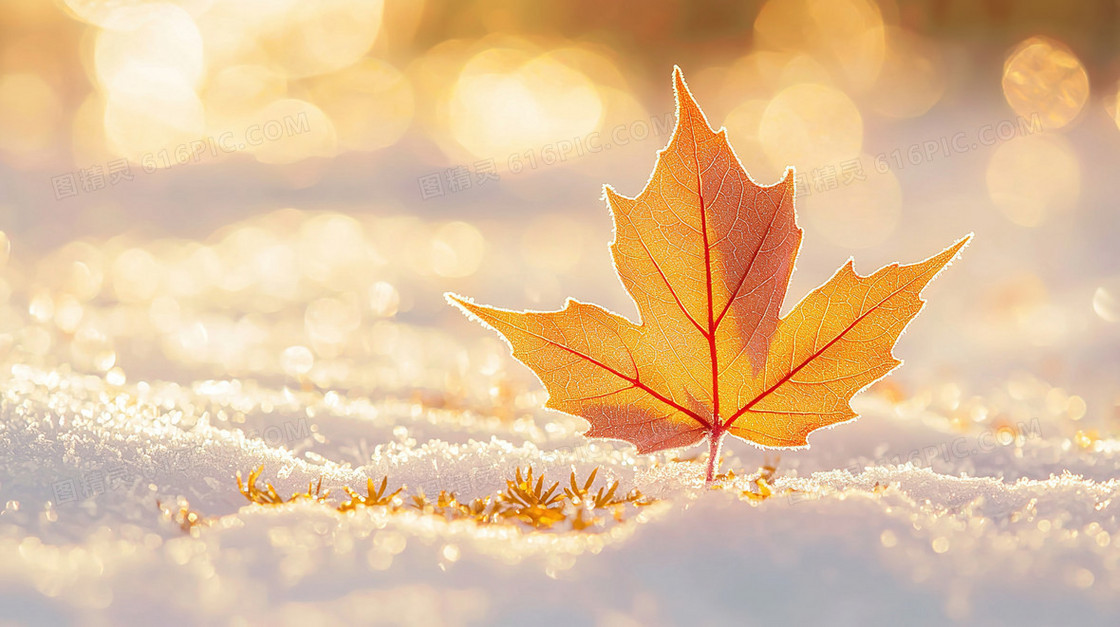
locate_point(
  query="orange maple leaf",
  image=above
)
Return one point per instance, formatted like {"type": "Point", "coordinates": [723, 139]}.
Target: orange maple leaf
{"type": "Point", "coordinates": [707, 254]}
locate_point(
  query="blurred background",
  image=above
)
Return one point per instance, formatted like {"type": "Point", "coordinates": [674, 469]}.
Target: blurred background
{"type": "Point", "coordinates": [283, 190]}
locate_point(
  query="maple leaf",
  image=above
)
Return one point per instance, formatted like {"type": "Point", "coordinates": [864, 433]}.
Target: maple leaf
{"type": "Point", "coordinates": [706, 254]}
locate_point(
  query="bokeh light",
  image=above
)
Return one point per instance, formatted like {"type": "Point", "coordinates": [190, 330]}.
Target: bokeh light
{"type": "Point", "coordinates": [172, 75]}
{"type": "Point", "coordinates": [1112, 106]}
{"type": "Point", "coordinates": [370, 104]}
{"type": "Point", "coordinates": [508, 100]}
{"type": "Point", "coordinates": [293, 130]}
{"type": "Point", "coordinates": [845, 34]}
{"type": "Point", "coordinates": [457, 249]}
{"type": "Point", "coordinates": [1043, 77]}
{"type": "Point", "coordinates": [148, 114]}
{"type": "Point", "coordinates": [325, 36]}
{"type": "Point", "coordinates": [912, 79]}
{"type": "Point", "coordinates": [159, 38]}
{"type": "Point", "coordinates": [1032, 177]}
{"type": "Point", "coordinates": [1106, 301]}
{"type": "Point", "coordinates": [309, 178]}
{"type": "Point", "coordinates": [812, 126]}
{"type": "Point", "coordinates": [235, 94]}
{"type": "Point", "coordinates": [743, 124]}
{"type": "Point", "coordinates": [29, 116]}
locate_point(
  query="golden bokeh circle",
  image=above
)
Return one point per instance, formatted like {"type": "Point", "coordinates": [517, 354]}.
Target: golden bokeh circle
{"type": "Point", "coordinates": [913, 77]}
{"type": "Point", "coordinates": [846, 35]}
{"type": "Point", "coordinates": [371, 104]}
{"type": "Point", "coordinates": [157, 37]}
{"type": "Point", "coordinates": [507, 101]}
{"type": "Point", "coordinates": [810, 126]}
{"type": "Point", "coordinates": [148, 114]}
{"type": "Point", "coordinates": [1043, 77]}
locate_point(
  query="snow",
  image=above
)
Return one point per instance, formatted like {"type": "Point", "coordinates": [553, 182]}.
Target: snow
{"type": "Point", "coordinates": [942, 503]}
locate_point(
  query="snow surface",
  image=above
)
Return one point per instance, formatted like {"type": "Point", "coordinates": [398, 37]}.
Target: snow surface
{"type": "Point", "coordinates": [936, 506]}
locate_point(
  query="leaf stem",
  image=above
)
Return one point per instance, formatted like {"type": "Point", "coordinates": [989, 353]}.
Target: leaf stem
{"type": "Point", "coordinates": [715, 443]}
